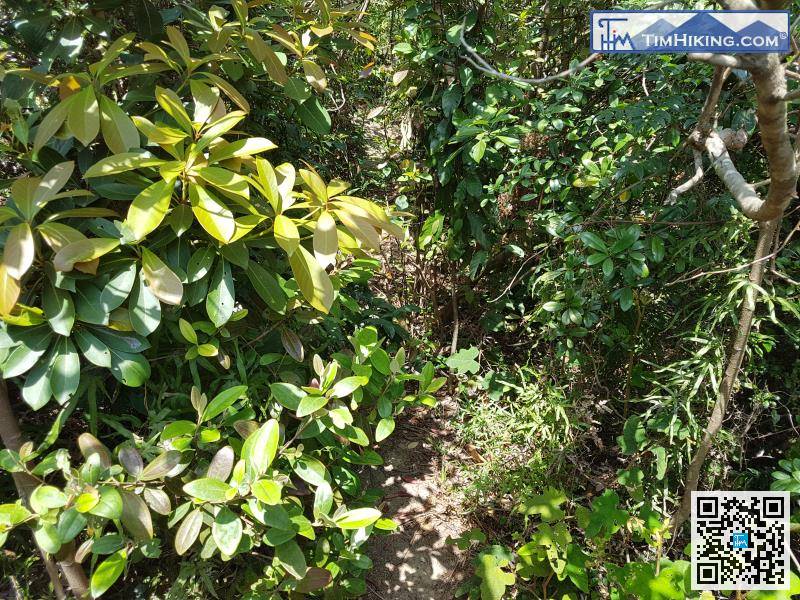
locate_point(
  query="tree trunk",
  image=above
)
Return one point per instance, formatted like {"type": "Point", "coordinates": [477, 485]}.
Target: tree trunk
{"type": "Point", "coordinates": [12, 439]}
{"type": "Point", "coordinates": [767, 232]}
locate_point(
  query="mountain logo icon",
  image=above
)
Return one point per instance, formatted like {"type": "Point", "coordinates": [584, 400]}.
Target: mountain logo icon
{"type": "Point", "coordinates": [650, 31]}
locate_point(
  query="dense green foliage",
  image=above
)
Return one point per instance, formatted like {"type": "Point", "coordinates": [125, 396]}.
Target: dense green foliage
{"type": "Point", "coordinates": [198, 349]}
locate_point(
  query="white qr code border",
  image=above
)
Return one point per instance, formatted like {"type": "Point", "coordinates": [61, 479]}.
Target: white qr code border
{"type": "Point", "coordinates": [699, 542]}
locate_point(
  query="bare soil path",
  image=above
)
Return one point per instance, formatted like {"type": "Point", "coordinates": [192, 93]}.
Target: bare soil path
{"type": "Point", "coordinates": [416, 562]}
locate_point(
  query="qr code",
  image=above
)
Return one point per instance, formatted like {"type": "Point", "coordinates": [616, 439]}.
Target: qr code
{"type": "Point", "coordinates": [740, 540]}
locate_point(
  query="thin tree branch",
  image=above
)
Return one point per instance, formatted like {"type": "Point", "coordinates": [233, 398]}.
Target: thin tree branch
{"type": "Point", "coordinates": [689, 183]}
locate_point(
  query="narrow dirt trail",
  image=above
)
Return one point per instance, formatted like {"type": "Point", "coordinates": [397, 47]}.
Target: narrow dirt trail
{"type": "Point", "coordinates": [416, 562]}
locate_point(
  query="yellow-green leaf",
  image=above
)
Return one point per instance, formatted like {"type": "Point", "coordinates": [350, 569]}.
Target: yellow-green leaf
{"type": "Point", "coordinates": [164, 284]}
{"type": "Point", "coordinates": [51, 124]}
{"type": "Point", "coordinates": [225, 180]}
{"type": "Point", "coordinates": [315, 185]}
{"type": "Point", "coordinates": [212, 215]}
{"type": "Point", "coordinates": [119, 163]}
{"type": "Point", "coordinates": [172, 105]}
{"type": "Point", "coordinates": [315, 76]}
{"type": "Point", "coordinates": [82, 251]}
{"type": "Point", "coordinates": [163, 135]}
{"type": "Point", "coordinates": [19, 251]}
{"type": "Point", "coordinates": [149, 208]}
{"type": "Point", "coordinates": [286, 234]}
{"type": "Point", "coordinates": [118, 130]}
{"type": "Point", "coordinates": [83, 119]}
{"type": "Point", "coordinates": [314, 282]}
{"type": "Point", "coordinates": [188, 531]}
{"type": "Point", "coordinates": [246, 147]}
{"type": "Point", "coordinates": [206, 99]}
{"type": "Point", "coordinates": [266, 55]}
{"type": "Point", "coordinates": [326, 241]}
{"type": "Point", "coordinates": [9, 291]}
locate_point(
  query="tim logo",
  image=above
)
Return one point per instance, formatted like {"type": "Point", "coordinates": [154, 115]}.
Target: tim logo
{"type": "Point", "coordinates": [663, 31]}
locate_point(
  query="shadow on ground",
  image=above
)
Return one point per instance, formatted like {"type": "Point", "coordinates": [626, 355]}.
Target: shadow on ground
{"type": "Point", "coordinates": [416, 562]}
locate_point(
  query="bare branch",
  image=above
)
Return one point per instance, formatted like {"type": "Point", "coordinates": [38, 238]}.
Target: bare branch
{"type": "Point", "coordinates": [706, 121]}
{"type": "Point", "coordinates": [721, 60]}
{"type": "Point", "coordinates": [689, 183]}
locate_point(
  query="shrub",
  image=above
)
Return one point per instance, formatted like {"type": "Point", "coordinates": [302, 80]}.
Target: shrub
{"type": "Point", "coordinates": [149, 221]}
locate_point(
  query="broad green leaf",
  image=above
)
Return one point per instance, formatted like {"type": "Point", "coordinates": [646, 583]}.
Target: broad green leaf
{"type": "Point", "coordinates": [51, 123]}
{"type": "Point", "coordinates": [59, 309]}
{"type": "Point", "coordinates": [267, 287]}
{"type": "Point", "coordinates": [149, 208]}
{"type": "Point", "coordinates": [130, 369]}
{"type": "Point", "coordinates": [109, 505]}
{"type": "Point", "coordinates": [48, 188]}
{"type": "Point", "coordinates": [222, 401]}
{"type": "Point", "coordinates": [83, 251]}
{"type": "Point", "coordinates": [136, 516]}
{"type": "Point", "coordinates": [208, 490]}
{"type": "Point", "coordinates": [266, 55]}
{"type": "Point", "coordinates": [116, 291]}
{"type": "Point", "coordinates": [240, 148]}
{"type": "Point", "coordinates": [545, 505]}
{"type": "Point", "coordinates": [357, 518]}
{"type": "Point", "coordinates": [384, 429]}
{"type": "Point", "coordinates": [287, 394]}
{"type": "Point", "coordinates": [312, 279]}
{"type": "Point", "coordinates": [261, 446]}
{"type": "Point", "coordinates": [291, 558]}
{"type": "Point", "coordinates": [144, 308]}
{"type": "Point", "coordinates": [161, 281]}
{"type": "Point", "coordinates": [345, 387]}
{"type": "Point", "coordinates": [326, 240]}
{"type": "Point", "coordinates": [310, 404]}
{"type": "Point", "coordinates": [107, 573]}
{"type": "Point", "coordinates": [187, 331]}
{"type": "Point", "coordinates": [311, 470]}
{"type": "Point", "coordinates": [9, 291]}
{"type": "Point", "coordinates": [267, 491]}
{"type": "Point", "coordinates": [221, 295]}
{"type": "Point", "coordinates": [314, 116]}
{"type": "Point", "coordinates": [212, 215]}
{"type": "Point", "coordinates": [45, 497]}
{"type": "Point", "coordinates": [217, 128]}
{"type": "Point", "coordinates": [315, 76]}
{"type": "Point", "coordinates": [116, 126]}
{"type": "Point", "coordinates": [70, 524]}
{"type": "Point", "coordinates": [205, 100]}
{"type": "Point", "coordinates": [286, 234]}
{"type": "Point", "coordinates": [19, 250]}
{"type": "Point", "coordinates": [173, 106]}
{"type": "Point", "coordinates": [227, 531]}
{"type": "Point", "coordinates": [188, 531]}
{"type": "Point", "coordinates": [161, 465]}
{"type": "Point", "coordinates": [323, 500]}
{"type": "Point", "coordinates": [46, 536]}
{"type": "Point", "coordinates": [36, 390]}
{"type": "Point", "coordinates": [83, 119]}
{"type": "Point", "coordinates": [464, 361]}
{"type": "Point", "coordinates": [200, 263]}
{"type": "Point", "coordinates": [224, 180]}
{"type": "Point", "coordinates": [158, 133]}
{"type": "Point", "coordinates": [119, 163]}
{"type": "Point", "coordinates": [65, 371]}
